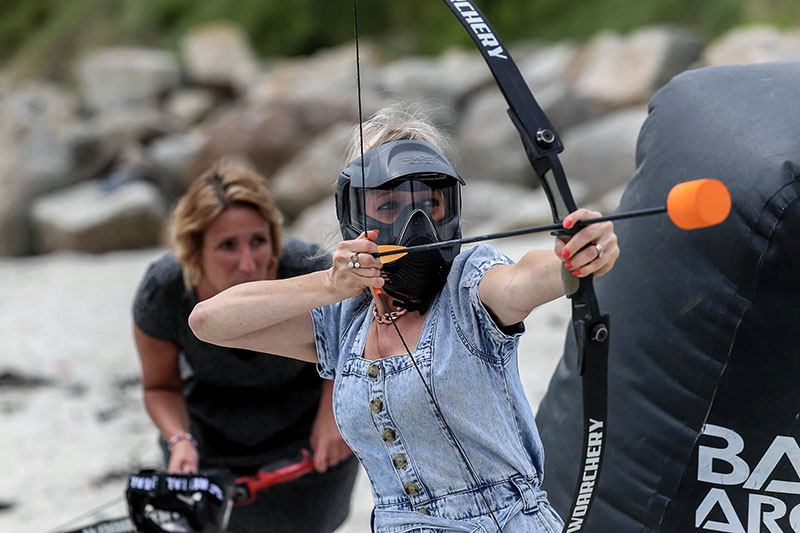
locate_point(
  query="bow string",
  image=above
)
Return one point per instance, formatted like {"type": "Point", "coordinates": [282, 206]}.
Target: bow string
{"type": "Point", "coordinates": [376, 293]}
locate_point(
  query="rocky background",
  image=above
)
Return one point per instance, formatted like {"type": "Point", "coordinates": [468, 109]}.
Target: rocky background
{"type": "Point", "coordinates": [88, 174]}
{"type": "Point", "coordinates": [97, 168]}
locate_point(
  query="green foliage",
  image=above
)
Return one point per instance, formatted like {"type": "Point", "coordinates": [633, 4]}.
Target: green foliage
{"type": "Point", "coordinates": [43, 35]}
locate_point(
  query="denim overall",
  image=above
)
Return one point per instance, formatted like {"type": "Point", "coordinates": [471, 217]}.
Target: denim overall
{"type": "Point", "coordinates": [419, 480]}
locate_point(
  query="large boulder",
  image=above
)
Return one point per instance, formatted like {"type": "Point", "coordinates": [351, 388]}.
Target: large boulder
{"type": "Point", "coordinates": [442, 82]}
{"type": "Point", "coordinates": [318, 224]}
{"type": "Point", "coordinates": [601, 153]}
{"type": "Point", "coordinates": [311, 175]}
{"type": "Point", "coordinates": [489, 144]}
{"type": "Point", "coordinates": [36, 155]}
{"type": "Point", "coordinates": [754, 44]}
{"type": "Point", "coordinates": [219, 55]}
{"type": "Point", "coordinates": [100, 216]}
{"type": "Point", "coordinates": [120, 76]}
{"type": "Point", "coordinates": [264, 135]}
{"type": "Point", "coordinates": [325, 80]}
{"type": "Point", "coordinates": [617, 71]}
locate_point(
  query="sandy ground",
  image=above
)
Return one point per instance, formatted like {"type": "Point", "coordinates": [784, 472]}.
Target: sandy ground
{"type": "Point", "coordinates": [75, 427]}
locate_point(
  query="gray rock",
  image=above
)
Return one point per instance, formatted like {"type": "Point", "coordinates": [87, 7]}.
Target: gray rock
{"type": "Point", "coordinates": [324, 80]}
{"type": "Point", "coordinates": [120, 76]}
{"type": "Point", "coordinates": [266, 135]}
{"type": "Point", "coordinates": [490, 145]}
{"type": "Point", "coordinates": [311, 175]}
{"type": "Point", "coordinates": [318, 224]}
{"type": "Point", "coordinates": [35, 155]}
{"type": "Point", "coordinates": [490, 207]}
{"type": "Point", "coordinates": [442, 82]}
{"type": "Point", "coordinates": [601, 154]}
{"type": "Point", "coordinates": [99, 216]}
{"type": "Point", "coordinates": [190, 106]}
{"type": "Point", "coordinates": [171, 157]}
{"type": "Point", "coordinates": [757, 44]}
{"type": "Point", "coordinates": [219, 55]}
{"type": "Point", "coordinates": [141, 123]}
{"type": "Point", "coordinates": [547, 65]}
{"type": "Point", "coordinates": [621, 71]}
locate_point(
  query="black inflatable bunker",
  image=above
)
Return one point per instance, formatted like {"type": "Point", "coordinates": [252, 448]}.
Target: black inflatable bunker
{"type": "Point", "coordinates": [704, 364]}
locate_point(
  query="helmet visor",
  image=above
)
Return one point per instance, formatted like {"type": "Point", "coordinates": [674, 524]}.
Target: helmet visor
{"type": "Point", "coordinates": [389, 207]}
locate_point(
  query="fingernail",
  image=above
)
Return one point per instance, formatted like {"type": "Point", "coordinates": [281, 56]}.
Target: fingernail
{"type": "Point", "coordinates": [568, 223]}
{"type": "Point", "coordinates": [565, 253]}
{"type": "Point", "coordinates": [576, 272]}
{"type": "Point", "coordinates": [568, 265]}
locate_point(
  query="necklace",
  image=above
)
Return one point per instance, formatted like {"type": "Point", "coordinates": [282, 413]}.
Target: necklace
{"type": "Point", "coordinates": [387, 318]}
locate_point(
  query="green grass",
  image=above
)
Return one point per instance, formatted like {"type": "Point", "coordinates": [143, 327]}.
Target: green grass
{"type": "Point", "coordinates": [42, 37]}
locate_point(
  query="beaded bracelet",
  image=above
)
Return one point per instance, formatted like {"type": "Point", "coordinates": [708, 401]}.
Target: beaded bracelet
{"type": "Point", "coordinates": [175, 439]}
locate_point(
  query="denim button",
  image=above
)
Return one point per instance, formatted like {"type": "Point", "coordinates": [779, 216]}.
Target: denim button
{"type": "Point", "coordinates": [373, 371]}
{"type": "Point", "coordinates": [400, 461]}
{"type": "Point", "coordinates": [389, 435]}
{"type": "Point", "coordinates": [412, 489]}
{"type": "Point", "coordinates": [424, 511]}
{"type": "Point", "coordinates": [376, 405]}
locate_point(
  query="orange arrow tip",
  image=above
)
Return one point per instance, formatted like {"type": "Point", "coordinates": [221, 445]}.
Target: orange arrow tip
{"type": "Point", "coordinates": [391, 248]}
{"type": "Point", "coordinates": [698, 204]}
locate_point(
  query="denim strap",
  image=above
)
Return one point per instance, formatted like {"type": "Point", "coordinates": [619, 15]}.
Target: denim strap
{"type": "Point", "coordinates": [526, 490]}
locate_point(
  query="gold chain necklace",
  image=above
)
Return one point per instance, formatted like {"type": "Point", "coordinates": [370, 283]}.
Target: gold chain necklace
{"type": "Point", "coordinates": [387, 318]}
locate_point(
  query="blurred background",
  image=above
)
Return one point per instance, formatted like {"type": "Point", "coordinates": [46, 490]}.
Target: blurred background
{"type": "Point", "coordinates": [108, 109]}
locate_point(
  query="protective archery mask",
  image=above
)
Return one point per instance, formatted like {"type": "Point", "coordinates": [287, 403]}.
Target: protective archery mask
{"type": "Point", "coordinates": [412, 196]}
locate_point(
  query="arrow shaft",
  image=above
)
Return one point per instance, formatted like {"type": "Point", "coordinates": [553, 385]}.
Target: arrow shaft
{"type": "Point", "coordinates": [524, 231]}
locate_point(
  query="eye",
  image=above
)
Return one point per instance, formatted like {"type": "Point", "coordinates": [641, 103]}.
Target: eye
{"type": "Point", "coordinates": [432, 202]}
{"type": "Point", "coordinates": [228, 244]}
{"type": "Point", "coordinates": [258, 240]}
{"type": "Point", "coordinates": [390, 205]}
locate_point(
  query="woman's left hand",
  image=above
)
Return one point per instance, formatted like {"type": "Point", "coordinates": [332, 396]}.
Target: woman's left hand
{"type": "Point", "coordinates": [593, 250]}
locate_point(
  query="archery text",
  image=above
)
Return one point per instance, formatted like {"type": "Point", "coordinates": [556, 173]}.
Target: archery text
{"type": "Point", "coordinates": [482, 30]}
{"type": "Point", "coordinates": [594, 451]}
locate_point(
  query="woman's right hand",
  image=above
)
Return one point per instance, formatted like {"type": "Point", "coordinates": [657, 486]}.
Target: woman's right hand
{"type": "Point", "coordinates": [354, 268]}
{"type": "Point", "coordinates": [183, 458]}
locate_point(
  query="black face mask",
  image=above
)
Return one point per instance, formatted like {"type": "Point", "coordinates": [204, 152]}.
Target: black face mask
{"type": "Point", "coordinates": [415, 279]}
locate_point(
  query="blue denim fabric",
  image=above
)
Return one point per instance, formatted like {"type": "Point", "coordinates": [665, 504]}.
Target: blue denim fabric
{"type": "Point", "coordinates": [471, 368]}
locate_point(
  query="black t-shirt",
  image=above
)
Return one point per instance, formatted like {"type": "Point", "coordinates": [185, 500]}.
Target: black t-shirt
{"type": "Point", "coordinates": [245, 408]}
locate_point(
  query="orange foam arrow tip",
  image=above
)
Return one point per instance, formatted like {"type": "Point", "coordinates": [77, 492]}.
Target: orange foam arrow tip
{"type": "Point", "coordinates": [698, 204]}
{"type": "Point", "coordinates": [391, 248]}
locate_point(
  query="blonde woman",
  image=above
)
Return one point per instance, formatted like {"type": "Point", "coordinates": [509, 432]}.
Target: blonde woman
{"type": "Point", "coordinates": [230, 408]}
{"type": "Point", "coordinates": [459, 452]}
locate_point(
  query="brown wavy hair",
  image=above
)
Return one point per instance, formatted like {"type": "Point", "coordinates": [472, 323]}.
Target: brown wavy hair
{"type": "Point", "coordinates": [211, 194]}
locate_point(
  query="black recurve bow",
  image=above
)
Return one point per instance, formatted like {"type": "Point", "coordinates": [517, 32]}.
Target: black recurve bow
{"type": "Point", "coordinates": [591, 327]}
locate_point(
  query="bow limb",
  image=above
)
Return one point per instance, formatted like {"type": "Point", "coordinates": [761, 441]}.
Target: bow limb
{"type": "Point", "coordinates": [591, 327]}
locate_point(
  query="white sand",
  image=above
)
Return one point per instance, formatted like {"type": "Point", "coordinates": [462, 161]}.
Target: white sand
{"type": "Point", "coordinates": [67, 447]}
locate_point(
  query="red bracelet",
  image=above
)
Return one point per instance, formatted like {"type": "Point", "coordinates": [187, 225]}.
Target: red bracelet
{"type": "Point", "coordinates": [175, 439]}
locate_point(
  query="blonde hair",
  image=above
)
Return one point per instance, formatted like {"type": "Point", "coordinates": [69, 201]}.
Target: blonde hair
{"type": "Point", "coordinates": [397, 122]}
{"type": "Point", "coordinates": [208, 197]}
